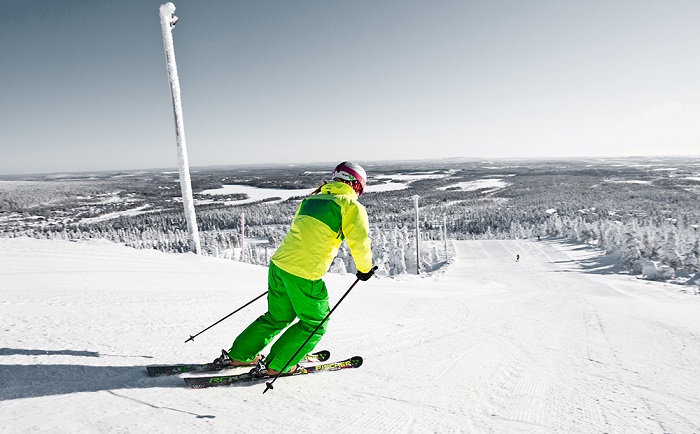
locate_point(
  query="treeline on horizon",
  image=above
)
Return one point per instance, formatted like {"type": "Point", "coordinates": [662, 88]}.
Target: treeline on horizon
{"type": "Point", "coordinates": [643, 216]}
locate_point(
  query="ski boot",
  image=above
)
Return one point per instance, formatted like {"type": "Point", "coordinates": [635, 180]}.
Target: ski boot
{"type": "Point", "coordinates": [225, 361]}
{"type": "Point", "coordinates": [273, 373]}
{"type": "Point", "coordinates": [259, 371]}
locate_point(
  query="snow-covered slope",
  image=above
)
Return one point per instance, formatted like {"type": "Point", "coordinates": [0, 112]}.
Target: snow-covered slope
{"type": "Point", "coordinates": [547, 344]}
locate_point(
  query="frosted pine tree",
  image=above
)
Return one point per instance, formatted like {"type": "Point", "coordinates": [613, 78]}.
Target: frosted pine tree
{"type": "Point", "coordinates": [338, 266]}
{"type": "Point", "coordinates": [692, 258]}
{"type": "Point", "coordinates": [670, 255]}
{"type": "Point", "coordinates": [397, 257]}
{"type": "Point", "coordinates": [631, 255]}
{"type": "Point", "coordinates": [572, 230]}
{"type": "Point", "coordinates": [380, 249]}
{"type": "Point", "coordinates": [586, 234]}
{"type": "Point", "coordinates": [434, 254]}
{"type": "Point", "coordinates": [345, 257]}
{"type": "Point", "coordinates": [614, 238]}
{"type": "Point", "coordinates": [410, 255]}
{"type": "Point", "coordinates": [649, 245]}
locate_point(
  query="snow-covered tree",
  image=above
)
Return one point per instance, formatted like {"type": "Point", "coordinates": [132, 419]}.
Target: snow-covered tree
{"type": "Point", "coordinates": [631, 255]}
{"type": "Point", "coordinates": [692, 258]}
{"type": "Point", "coordinates": [670, 255]}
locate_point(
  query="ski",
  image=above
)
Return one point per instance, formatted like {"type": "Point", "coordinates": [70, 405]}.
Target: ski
{"type": "Point", "coordinates": [226, 380]}
{"type": "Point", "coordinates": [161, 370]}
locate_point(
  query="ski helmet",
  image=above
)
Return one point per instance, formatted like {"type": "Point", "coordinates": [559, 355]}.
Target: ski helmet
{"type": "Point", "coordinates": [353, 173]}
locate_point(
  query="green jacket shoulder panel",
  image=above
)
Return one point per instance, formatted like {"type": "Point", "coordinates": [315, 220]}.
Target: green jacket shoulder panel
{"type": "Point", "coordinates": [325, 209]}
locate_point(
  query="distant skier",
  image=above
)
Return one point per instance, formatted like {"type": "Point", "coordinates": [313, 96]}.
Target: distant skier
{"type": "Point", "coordinates": [295, 288]}
{"type": "Point", "coordinates": [517, 258]}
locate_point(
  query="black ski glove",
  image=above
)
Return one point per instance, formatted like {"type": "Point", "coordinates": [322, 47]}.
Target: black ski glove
{"type": "Point", "coordinates": [365, 276]}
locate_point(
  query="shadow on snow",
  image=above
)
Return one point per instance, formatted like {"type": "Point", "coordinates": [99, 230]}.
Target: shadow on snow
{"type": "Point", "coordinates": [599, 264]}
{"type": "Point", "coordinates": [23, 352]}
{"type": "Point", "coordinates": [31, 381]}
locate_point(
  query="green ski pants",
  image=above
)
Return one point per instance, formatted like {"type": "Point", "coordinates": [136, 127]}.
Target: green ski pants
{"type": "Point", "coordinates": [288, 297]}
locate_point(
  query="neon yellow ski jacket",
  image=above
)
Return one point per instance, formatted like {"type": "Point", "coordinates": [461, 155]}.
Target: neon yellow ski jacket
{"type": "Point", "coordinates": [319, 227]}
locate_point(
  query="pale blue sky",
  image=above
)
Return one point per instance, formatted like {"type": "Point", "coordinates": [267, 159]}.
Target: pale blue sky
{"type": "Point", "coordinates": [84, 84]}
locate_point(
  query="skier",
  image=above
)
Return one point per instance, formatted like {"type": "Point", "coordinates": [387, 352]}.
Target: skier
{"type": "Point", "coordinates": [295, 286]}
{"type": "Point", "coordinates": [517, 258]}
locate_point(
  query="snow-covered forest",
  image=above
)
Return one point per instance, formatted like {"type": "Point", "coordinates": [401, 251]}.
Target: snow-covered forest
{"type": "Point", "coordinates": [642, 212]}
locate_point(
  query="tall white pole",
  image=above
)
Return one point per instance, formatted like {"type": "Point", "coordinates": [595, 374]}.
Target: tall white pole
{"type": "Point", "coordinates": [416, 197]}
{"type": "Point", "coordinates": [444, 234]}
{"type": "Point", "coordinates": [242, 235]}
{"type": "Point", "coordinates": [167, 22]}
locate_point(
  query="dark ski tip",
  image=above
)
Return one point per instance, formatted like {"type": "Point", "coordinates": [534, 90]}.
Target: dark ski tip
{"type": "Point", "coordinates": [322, 355]}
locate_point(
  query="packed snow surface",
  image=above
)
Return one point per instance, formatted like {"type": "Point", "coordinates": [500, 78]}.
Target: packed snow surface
{"type": "Point", "coordinates": [551, 343]}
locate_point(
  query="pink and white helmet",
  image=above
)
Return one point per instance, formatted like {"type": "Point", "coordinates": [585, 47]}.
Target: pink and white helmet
{"type": "Point", "coordinates": [354, 173]}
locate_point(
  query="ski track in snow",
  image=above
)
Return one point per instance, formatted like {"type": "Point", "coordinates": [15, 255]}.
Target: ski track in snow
{"type": "Point", "coordinates": [552, 343]}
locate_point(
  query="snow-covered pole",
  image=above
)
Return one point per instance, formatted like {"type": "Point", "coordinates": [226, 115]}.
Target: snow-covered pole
{"type": "Point", "coordinates": [444, 234]}
{"type": "Point", "coordinates": [242, 235]}
{"type": "Point", "coordinates": [415, 198]}
{"type": "Point", "coordinates": [167, 22]}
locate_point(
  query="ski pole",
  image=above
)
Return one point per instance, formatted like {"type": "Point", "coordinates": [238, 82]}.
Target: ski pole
{"type": "Point", "coordinates": [245, 305]}
{"type": "Point", "coordinates": [270, 383]}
